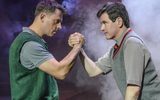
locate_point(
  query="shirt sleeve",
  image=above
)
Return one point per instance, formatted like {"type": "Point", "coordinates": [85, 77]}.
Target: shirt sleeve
{"type": "Point", "coordinates": [104, 63]}
{"type": "Point", "coordinates": [34, 54]}
{"type": "Point", "coordinates": [134, 61]}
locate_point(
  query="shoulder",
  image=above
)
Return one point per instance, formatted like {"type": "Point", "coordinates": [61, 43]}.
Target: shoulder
{"type": "Point", "coordinates": [133, 37]}
{"type": "Point", "coordinates": [134, 41]}
{"type": "Point", "coordinates": [32, 46]}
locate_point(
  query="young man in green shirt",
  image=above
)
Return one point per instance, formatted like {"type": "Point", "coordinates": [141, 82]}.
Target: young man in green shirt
{"type": "Point", "coordinates": [33, 68]}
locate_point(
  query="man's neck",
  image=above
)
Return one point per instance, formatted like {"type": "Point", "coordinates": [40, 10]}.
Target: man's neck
{"type": "Point", "coordinates": [121, 32]}
{"type": "Point", "coordinates": [36, 29]}
{"type": "Point", "coordinates": [120, 35]}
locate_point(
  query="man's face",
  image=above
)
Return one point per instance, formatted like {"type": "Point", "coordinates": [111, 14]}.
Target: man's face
{"type": "Point", "coordinates": [109, 28]}
{"type": "Point", "coordinates": [52, 22]}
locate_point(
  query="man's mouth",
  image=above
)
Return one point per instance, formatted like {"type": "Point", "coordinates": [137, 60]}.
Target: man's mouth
{"type": "Point", "coordinates": [54, 32]}
{"type": "Point", "coordinates": [105, 33]}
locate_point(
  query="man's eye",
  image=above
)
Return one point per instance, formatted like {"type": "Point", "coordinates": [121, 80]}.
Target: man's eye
{"type": "Point", "coordinates": [57, 21]}
{"type": "Point", "coordinates": [54, 21]}
{"type": "Point", "coordinates": [104, 22]}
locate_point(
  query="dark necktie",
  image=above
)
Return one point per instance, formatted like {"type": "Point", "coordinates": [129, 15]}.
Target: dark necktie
{"type": "Point", "coordinates": [115, 48]}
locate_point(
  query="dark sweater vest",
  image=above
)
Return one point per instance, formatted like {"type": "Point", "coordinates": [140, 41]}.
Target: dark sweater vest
{"type": "Point", "coordinates": [29, 84]}
{"type": "Point", "coordinates": [150, 89]}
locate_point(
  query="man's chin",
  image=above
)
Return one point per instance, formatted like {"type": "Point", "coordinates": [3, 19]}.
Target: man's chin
{"type": "Point", "coordinates": [108, 38]}
{"type": "Point", "coordinates": [52, 34]}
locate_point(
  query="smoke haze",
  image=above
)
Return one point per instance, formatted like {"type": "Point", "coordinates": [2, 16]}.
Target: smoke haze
{"type": "Point", "coordinates": [144, 17]}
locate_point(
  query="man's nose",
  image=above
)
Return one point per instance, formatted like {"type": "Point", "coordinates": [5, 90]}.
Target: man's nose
{"type": "Point", "coordinates": [59, 26]}
{"type": "Point", "coordinates": [102, 28]}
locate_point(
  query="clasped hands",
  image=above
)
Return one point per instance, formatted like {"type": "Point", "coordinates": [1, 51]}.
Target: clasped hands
{"type": "Point", "coordinates": [76, 39]}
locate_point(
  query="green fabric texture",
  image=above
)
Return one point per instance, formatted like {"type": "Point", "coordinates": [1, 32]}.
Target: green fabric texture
{"type": "Point", "coordinates": [29, 84]}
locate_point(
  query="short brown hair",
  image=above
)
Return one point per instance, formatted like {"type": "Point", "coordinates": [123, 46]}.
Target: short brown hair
{"type": "Point", "coordinates": [48, 6]}
{"type": "Point", "coordinates": [114, 10]}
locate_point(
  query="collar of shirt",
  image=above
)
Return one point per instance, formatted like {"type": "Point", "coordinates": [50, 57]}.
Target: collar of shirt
{"type": "Point", "coordinates": [26, 29]}
{"type": "Point", "coordinates": [119, 40]}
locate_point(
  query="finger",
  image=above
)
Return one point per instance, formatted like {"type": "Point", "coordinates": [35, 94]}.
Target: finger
{"type": "Point", "coordinates": [72, 45]}
{"type": "Point", "coordinates": [75, 38]}
{"type": "Point", "coordinates": [72, 42]}
{"type": "Point", "coordinates": [74, 34]}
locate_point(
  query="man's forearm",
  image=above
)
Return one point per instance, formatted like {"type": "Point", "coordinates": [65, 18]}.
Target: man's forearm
{"type": "Point", "coordinates": [60, 69]}
{"type": "Point", "coordinates": [89, 65]}
{"type": "Point", "coordinates": [68, 61]}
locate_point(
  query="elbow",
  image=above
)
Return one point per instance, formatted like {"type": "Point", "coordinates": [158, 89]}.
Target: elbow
{"type": "Point", "coordinates": [61, 72]}
{"type": "Point", "coordinates": [92, 75]}
{"type": "Point", "coordinates": [61, 75]}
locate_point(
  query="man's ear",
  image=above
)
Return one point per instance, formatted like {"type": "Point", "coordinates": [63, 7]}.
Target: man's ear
{"type": "Point", "coordinates": [119, 21]}
{"type": "Point", "coordinates": [42, 16]}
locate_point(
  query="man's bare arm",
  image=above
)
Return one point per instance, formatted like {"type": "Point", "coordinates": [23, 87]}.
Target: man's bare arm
{"type": "Point", "coordinates": [61, 68]}
{"type": "Point", "coordinates": [132, 92]}
{"type": "Point", "coordinates": [89, 65]}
